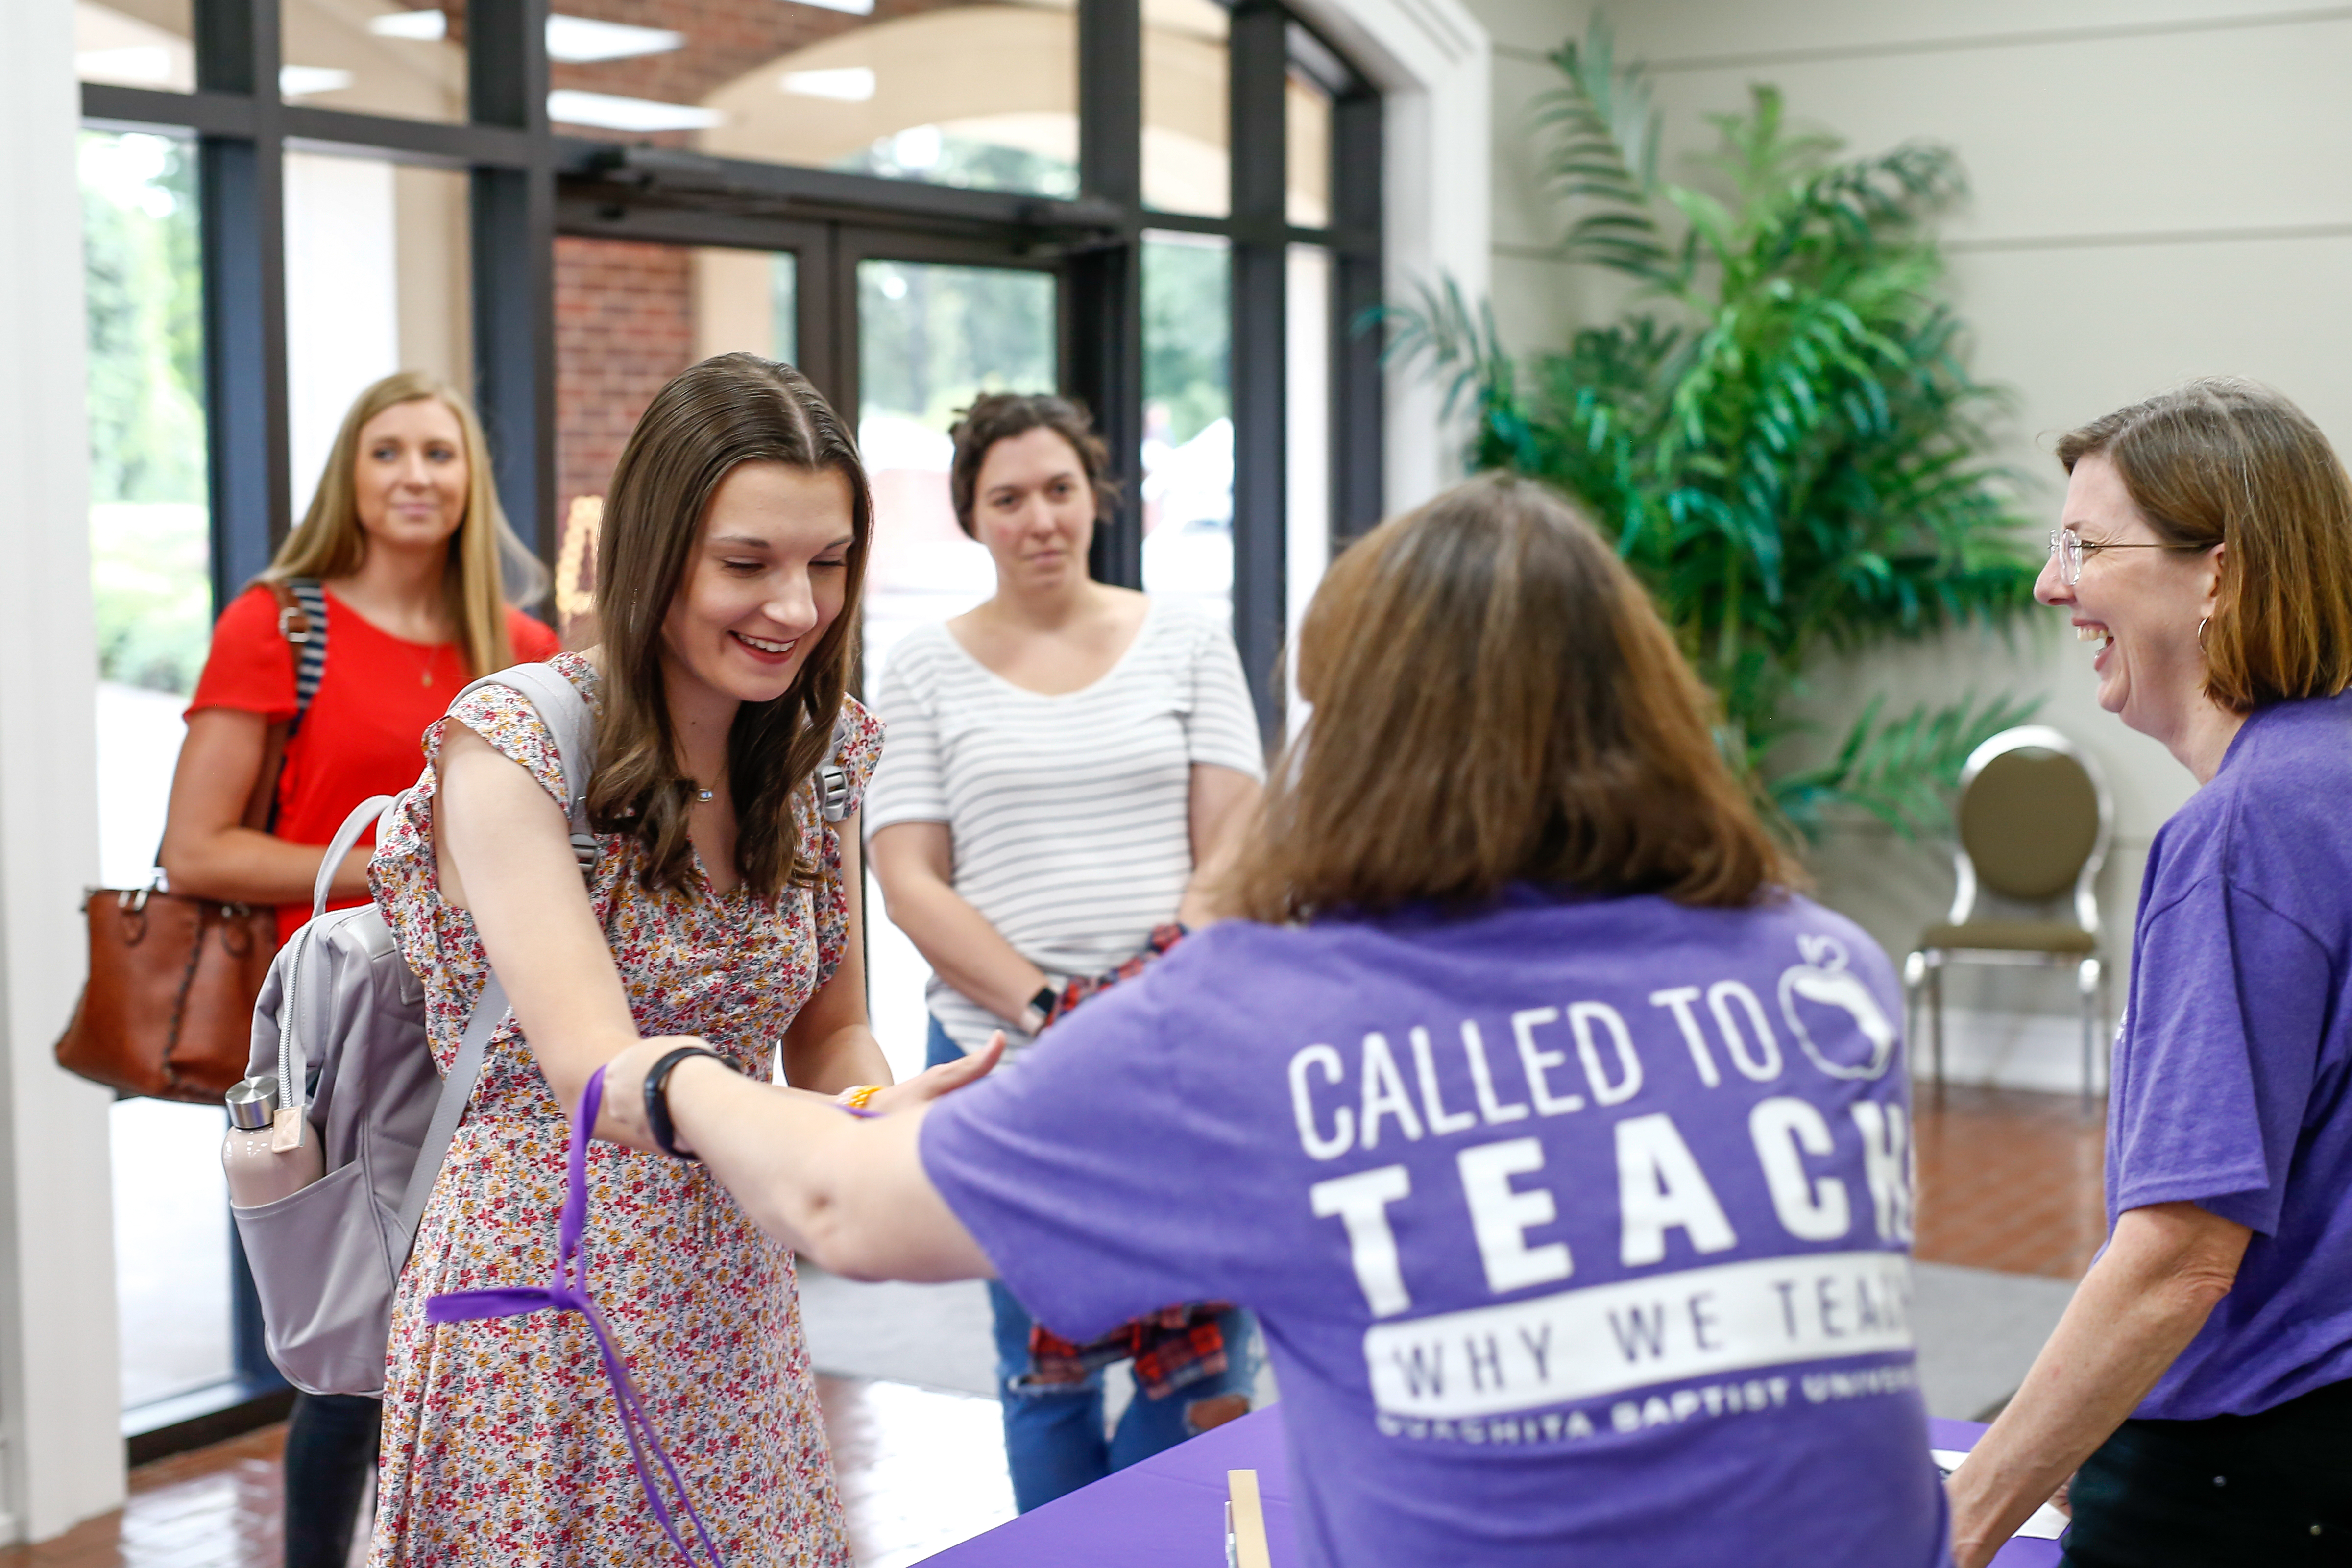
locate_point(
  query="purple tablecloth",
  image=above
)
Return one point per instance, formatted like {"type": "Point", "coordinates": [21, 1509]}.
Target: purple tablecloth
{"type": "Point", "coordinates": [1171, 1508]}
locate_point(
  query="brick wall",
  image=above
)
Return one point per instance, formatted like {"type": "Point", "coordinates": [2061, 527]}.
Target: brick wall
{"type": "Point", "coordinates": [623, 325]}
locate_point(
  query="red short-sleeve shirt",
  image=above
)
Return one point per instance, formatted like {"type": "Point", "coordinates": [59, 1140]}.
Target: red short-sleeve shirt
{"type": "Point", "coordinates": [363, 732]}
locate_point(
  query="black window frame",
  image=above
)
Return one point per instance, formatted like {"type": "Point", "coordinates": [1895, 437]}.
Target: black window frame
{"type": "Point", "coordinates": [528, 184]}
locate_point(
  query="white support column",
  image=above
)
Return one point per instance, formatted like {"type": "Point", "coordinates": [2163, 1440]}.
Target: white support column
{"type": "Point", "coordinates": [1433, 66]}
{"type": "Point", "coordinates": [59, 1402]}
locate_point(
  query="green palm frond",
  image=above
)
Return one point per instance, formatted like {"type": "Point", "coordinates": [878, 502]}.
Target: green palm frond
{"type": "Point", "coordinates": [1605, 155]}
{"type": "Point", "coordinates": [1781, 433]}
{"type": "Point", "coordinates": [1459, 343]}
{"type": "Point", "coordinates": [1902, 769]}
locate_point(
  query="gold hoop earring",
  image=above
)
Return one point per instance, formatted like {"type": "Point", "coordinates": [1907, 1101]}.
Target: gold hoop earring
{"type": "Point", "coordinates": [2202, 624]}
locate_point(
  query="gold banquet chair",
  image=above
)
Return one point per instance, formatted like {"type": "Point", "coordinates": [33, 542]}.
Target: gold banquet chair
{"type": "Point", "coordinates": [2034, 819]}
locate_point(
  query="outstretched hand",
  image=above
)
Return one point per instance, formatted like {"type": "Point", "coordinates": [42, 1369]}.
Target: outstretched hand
{"type": "Point", "coordinates": [622, 1118]}
{"type": "Point", "coordinates": [945, 1078]}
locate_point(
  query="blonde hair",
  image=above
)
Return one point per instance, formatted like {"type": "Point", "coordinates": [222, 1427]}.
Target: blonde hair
{"type": "Point", "coordinates": [484, 553]}
{"type": "Point", "coordinates": [2228, 461]}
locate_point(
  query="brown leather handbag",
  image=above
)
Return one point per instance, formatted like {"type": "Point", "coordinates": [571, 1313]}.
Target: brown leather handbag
{"type": "Point", "coordinates": [168, 1008]}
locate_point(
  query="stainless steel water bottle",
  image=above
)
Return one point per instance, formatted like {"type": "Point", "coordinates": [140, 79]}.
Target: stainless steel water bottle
{"type": "Point", "coordinates": [258, 1170]}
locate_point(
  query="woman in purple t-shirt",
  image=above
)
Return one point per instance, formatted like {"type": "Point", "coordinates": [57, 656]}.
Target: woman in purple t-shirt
{"type": "Point", "coordinates": [1561, 1150]}
{"type": "Point", "coordinates": [2198, 1389]}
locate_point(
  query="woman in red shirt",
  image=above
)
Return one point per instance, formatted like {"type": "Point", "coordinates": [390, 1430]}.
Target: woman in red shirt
{"type": "Point", "coordinates": [405, 541]}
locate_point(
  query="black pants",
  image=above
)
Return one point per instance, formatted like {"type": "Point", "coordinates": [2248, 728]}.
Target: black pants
{"type": "Point", "coordinates": [2234, 1491]}
{"type": "Point", "coordinates": [331, 1444]}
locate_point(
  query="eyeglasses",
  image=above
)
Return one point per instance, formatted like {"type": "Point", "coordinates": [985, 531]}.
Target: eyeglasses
{"type": "Point", "coordinates": [2068, 546]}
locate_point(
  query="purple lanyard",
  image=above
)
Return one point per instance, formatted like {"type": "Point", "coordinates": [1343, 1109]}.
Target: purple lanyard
{"type": "Point", "coordinates": [562, 1294]}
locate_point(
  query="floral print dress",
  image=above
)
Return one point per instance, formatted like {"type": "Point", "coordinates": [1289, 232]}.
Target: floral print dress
{"type": "Point", "coordinates": [501, 1441]}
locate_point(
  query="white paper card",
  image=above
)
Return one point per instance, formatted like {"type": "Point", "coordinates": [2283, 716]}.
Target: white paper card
{"type": "Point", "coordinates": [2047, 1523]}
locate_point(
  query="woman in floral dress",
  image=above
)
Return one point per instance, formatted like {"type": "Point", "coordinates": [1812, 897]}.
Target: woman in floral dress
{"type": "Point", "coordinates": [720, 906]}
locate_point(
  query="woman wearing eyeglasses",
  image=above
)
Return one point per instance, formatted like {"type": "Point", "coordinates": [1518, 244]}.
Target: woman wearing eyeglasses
{"type": "Point", "coordinates": [2198, 1389]}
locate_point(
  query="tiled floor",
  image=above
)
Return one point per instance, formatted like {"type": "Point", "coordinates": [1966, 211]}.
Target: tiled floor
{"type": "Point", "coordinates": [2008, 1181]}
{"type": "Point", "coordinates": [920, 1470]}
{"type": "Point", "coordinates": [216, 1508]}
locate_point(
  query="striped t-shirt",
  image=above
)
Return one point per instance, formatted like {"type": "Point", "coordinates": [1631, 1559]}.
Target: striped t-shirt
{"type": "Point", "coordinates": [1070, 815]}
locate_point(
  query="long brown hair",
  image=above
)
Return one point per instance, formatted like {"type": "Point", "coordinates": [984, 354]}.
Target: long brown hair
{"type": "Point", "coordinates": [2229, 461]}
{"type": "Point", "coordinates": [1496, 701]}
{"type": "Point", "coordinates": [731, 408]}
{"type": "Point", "coordinates": [484, 553]}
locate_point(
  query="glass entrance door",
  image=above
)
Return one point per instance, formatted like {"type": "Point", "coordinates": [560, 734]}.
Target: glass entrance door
{"type": "Point", "coordinates": [899, 333]}
{"type": "Point", "coordinates": [899, 342]}
{"type": "Point", "coordinates": [931, 335]}
{"type": "Point", "coordinates": [631, 314]}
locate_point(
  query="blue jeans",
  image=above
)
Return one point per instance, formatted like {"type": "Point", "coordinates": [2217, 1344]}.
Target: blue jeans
{"type": "Point", "coordinates": [1055, 1437]}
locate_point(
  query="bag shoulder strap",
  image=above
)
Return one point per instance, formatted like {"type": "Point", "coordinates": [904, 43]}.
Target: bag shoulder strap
{"type": "Point", "coordinates": [302, 621]}
{"type": "Point", "coordinates": [565, 713]}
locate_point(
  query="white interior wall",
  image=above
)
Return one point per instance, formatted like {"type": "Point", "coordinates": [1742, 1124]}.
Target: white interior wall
{"type": "Point", "coordinates": [2158, 191]}
{"type": "Point", "coordinates": [60, 1444]}
{"type": "Point", "coordinates": [1431, 62]}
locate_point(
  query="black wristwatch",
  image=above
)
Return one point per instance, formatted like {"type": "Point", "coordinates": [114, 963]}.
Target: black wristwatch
{"type": "Point", "coordinates": [665, 1131]}
{"type": "Point", "coordinates": [1043, 1003]}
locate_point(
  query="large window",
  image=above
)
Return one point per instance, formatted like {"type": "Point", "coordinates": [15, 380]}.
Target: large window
{"type": "Point", "coordinates": [392, 185]}
{"type": "Point", "coordinates": [1167, 208]}
{"type": "Point", "coordinates": [376, 281]}
{"type": "Point", "coordinates": [981, 96]}
{"type": "Point", "coordinates": [149, 586]}
{"type": "Point", "coordinates": [1187, 458]}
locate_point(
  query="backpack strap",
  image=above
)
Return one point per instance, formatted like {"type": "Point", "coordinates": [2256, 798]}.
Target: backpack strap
{"type": "Point", "coordinates": [490, 1011]}
{"type": "Point", "coordinates": [565, 713]}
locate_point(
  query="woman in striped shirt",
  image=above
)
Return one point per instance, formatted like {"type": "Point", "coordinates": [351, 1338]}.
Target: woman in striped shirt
{"type": "Point", "coordinates": [1068, 763]}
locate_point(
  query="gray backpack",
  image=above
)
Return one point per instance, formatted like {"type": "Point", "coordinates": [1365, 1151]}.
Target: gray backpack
{"type": "Point", "coordinates": [340, 1025]}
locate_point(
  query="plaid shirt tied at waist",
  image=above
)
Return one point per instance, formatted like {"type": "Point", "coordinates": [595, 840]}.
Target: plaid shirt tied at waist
{"type": "Point", "coordinates": [1174, 1346]}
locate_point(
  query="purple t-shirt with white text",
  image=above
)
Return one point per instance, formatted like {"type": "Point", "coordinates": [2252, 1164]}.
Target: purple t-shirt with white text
{"type": "Point", "coordinates": [1578, 1229]}
{"type": "Point", "coordinates": [2230, 1069]}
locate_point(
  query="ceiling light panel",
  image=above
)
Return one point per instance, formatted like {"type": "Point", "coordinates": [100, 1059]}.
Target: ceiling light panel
{"type": "Point", "coordinates": [303, 81]}
{"type": "Point", "coordinates": [421, 26]}
{"type": "Point", "coordinates": [611, 112]}
{"type": "Point", "coordinates": [572, 40]}
{"type": "Point", "coordinates": [847, 84]}
{"type": "Point", "coordinates": [581, 40]}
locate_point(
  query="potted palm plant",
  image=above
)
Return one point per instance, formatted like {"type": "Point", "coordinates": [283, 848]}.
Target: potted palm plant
{"type": "Point", "coordinates": [1779, 428]}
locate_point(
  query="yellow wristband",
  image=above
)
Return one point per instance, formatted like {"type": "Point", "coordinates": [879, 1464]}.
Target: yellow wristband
{"type": "Point", "coordinates": [855, 1099]}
